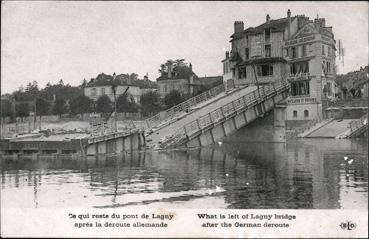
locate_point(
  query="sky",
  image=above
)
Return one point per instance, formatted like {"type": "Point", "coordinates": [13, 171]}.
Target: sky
{"type": "Point", "coordinates": [52, 40]}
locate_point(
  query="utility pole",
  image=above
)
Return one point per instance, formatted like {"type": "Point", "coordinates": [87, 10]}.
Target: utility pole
{"type": "Point", "coordinates": [35, 114]}
{"type": "Point", "coordinates": [114, 88]}
{"type": "Point", "coordinates": [256, 79]}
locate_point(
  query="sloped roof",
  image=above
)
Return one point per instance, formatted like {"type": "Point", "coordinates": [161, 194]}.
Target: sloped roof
{"type": "Point", "coordinates": [236, 57]}
{"type": "Point", "coordinates": [274, 25]}
{"type": "Point", "coordinates": [121, 79]}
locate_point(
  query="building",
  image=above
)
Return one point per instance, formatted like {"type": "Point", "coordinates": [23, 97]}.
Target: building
{"type": "Point", "coordinates": [293, 48]}
{"type": "Point", "coordinates": [147, 85]}
{"type": "Point", "coordinates": [178, 77]}
{"type": "Point", "coordinates": [95, 91]}
{"type": "Point", "coordinates": [102, 86]}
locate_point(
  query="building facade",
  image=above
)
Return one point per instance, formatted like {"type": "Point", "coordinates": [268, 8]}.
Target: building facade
{"type": "Point", "coordinates": [293, 48]}
{"type": "Point", "coordinates": [94, 92]}
{"type": "Point", "coordinates": [180, 78]}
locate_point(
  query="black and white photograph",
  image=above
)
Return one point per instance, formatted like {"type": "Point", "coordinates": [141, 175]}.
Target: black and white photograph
{"type": "Point", "coordinates": [122, 106]}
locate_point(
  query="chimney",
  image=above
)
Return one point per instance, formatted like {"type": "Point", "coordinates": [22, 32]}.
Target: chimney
{"type": "Point", "coordinates": [238, 26]}
{"type": "Point", "coordinates": [227, 54]}
{"type": "Point", "coordinates": [317, 23]}
{"type": "Point", "coordinates": [267, 18]}
{"type": "Point", "coordinates": [289, 22]}
{"type": "Point", "coordinates": [170, 71]}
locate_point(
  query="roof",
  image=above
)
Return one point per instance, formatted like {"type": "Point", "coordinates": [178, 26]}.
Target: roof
{"type": "Point", "coordinates": [262, 60]}
{"type": "Point", "coordinates": [179, 72]}
{"type": "Point", "coordinates": [121, 79]}
{"type": "Point", "coordinates": [275, 26]}
{"type": "Point", "coordinates": [236, 57]}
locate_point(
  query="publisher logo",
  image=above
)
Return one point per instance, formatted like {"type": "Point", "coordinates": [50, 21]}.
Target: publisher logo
{"type": "Point", "coordinates": [348, 225]}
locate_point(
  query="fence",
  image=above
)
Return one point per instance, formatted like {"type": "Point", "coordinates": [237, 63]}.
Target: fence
{"type": "Point", "coordinates": [224, 111]}
{"type": "Point", "coordinates": [186, 105]}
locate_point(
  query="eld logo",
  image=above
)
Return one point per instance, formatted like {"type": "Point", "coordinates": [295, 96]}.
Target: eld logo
{"type": "Point", "coordinates": [348, 225]}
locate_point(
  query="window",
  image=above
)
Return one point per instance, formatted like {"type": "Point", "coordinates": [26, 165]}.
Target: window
{"type": "Point", "coordinates": [93, 91]}
{"type": "Point", "coordinates": [265, 70]}
{"type": "Point", "coordinates": [102, 91]}
{"type": "Point", "coordinates": [311, 48]}
{"type": "Point", "coordinates": [247, 40]}
{"type": "Point", "coordinates": [267, 35]}
{"type": "Point", "coordinates": [287, 52]}
{"type": "Point", "coordinates": [241, 72]}
{"type": "Point", "coordinates": [304, 52]}
{"type": "Point", "coordinates": [267, 51]}
{"type": "Point", "coordinates": [300, 88]}
{"type": "Point", "coordinates": [295, 114]}
{"type": "Point", "coordinates": [247, 53]}
{"type": "Point", "coordinates": [323, 53]}
{"type": "Point", "coordinates": [299, 67]}
{"type": "Point", "coordinates": [329, 50]}
{"type": "Point", "coordinates": [306, 113]}
{"type": "Point", "coordinates": [329, 88]}
{"type": "Point", "coordinates": [293, 49]}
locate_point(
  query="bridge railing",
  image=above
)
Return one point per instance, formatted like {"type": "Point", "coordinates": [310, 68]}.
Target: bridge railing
{"type": "Point", "coordinates": [222, 112]}
{"type": "Point", "coordinates": [184, 106]}
{"type": "Point", "coordinates": [356, 124]}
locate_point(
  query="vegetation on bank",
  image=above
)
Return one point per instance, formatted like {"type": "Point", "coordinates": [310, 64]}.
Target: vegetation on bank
{"type": "Point", "coordinates": [60, 98]}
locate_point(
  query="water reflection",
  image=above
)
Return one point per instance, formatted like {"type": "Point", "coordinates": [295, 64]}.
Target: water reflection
{"type": "Point", "coordinates": [302, 174]}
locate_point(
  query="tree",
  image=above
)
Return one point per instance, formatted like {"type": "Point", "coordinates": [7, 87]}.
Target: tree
{"type": "Point", "coordinates": [22, 110]}
{"type": "Point", "coordinates": [6, 108]}
{"type": "Point", "coordinates": [104, 104]}
{"type": "Point", "coordinates": [81, 104]}
{"type": "Point", "coordinates": [150, 102]}
{"type": "Point", "coordinates": [59, 107]}
{"type": "Point", "coordinates": [84, 83]}
{"type": "Point", "coordinates": [42, 107]}
{"type": "Point", "coordinates": [172, 99]}
{"type": "Point", "coordinates": [126, 103]}
{"type": "Point", "coordinates": [174, 63]}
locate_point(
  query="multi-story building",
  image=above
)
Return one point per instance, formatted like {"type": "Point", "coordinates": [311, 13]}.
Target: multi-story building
{"type": "Point", "coordinates": [95, 91]}
{"type": "Point", "coordinates": [180, 78]}
{"type": "Point", "coordinates": [293, 48]}
{"type": "Point", "coordinates": [102, 86]}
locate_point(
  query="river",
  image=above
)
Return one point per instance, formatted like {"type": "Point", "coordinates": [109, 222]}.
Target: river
{"type": "Point", "coordinates": [304, 173]}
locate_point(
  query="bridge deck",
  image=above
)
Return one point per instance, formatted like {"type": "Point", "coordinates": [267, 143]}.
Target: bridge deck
{"type": "Point", "coordinates": [159, 135]}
